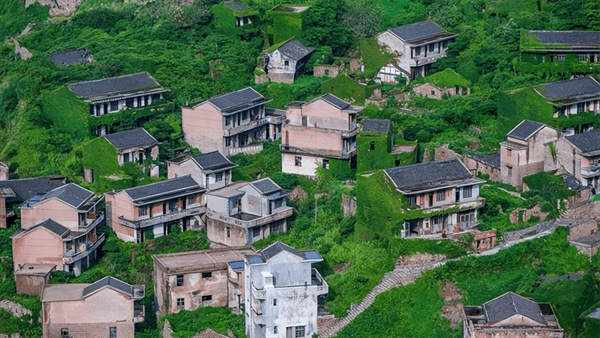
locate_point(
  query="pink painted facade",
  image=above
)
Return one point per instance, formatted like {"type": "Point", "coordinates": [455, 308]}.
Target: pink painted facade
{"type": "Point", "coordinates": [3, 172]}
{"type": "Point", "coordinates": [432, 91]}
{"type": "Point", "coordinates": [40, 246]}
{"type": "Point", "coordinates": [53, 209]}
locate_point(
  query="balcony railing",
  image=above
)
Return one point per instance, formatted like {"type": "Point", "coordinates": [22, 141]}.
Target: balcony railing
{"type": "Point", "coordinates": [350, 150]}
{"type": "Point", "coordinates": [138, 313]}
{"type": "Point", "coordinates": [253, 149]}
{"type": "Point", "coordinates": [343, 155]}
{"type": "Point", "coordinates": [352, 131]}
{"type": "Point", "coordinates": [251, 125]}
{"type": "Point", "coordinates": [94, 222]}
{"type": "Point", "coordinates": [285, 212]}
{"type": "Point", "coordinates": [171, 216]}
{"type": "Point", "coordinates": [258, 293]}
{"type": "Point", "coordinates": [317, 279]}
{"type": "Point", "coordinates": [475, 203]}
{"type": "Point", "coordinates": [590, 171]}
{"type": "Point", "coordinates": [71, 256]}
{"type": "Point", "coordinates": [260, 319]}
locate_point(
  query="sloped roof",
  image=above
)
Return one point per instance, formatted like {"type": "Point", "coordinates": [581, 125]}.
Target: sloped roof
{"type": "Point", "coordinates": [51, 225]}
{"type": "Point", "coordinates": [418, 31]}
{"type": "Point", "coordinates": [429, 175]}
{"type": "Point", "coordinates": [570, 88]}
{"type": "Point", "coordinates": [71, 194]}
{"type": "Point", "coordinates": [266, 185]}
{"type": "Point", "coordinates": [334, 100]}
{"type": "Point", "coordinates": [108, 281]}
{"type": "Point", "coordinates": [138, 137]}
{"type": "Point", "coordinates": [570, 38]}
{"type": "Point", "coordinates": [236, 6]}
{"type": "Point", "coordinates": [165, 187]}
{"type": "Point", "coordinates": [277, 247]}
{"type": "Point", "coordinates": [510, 304]}
{"type": "Point", "coordinates": [376, 126]}
{"type": "Point", "coordinates": [213, 160]}
{"type": "Point", "coordinates": [209, 333]}
{"type": "Point", "coordinates": [295, 50]}
{"type": "Point", "coordinates": [525, 129]}
{"type": "Point", "coordinates": [236, 100]}
{"type": "Point", "coordinates": [493, 160]}
{"type": "Point", "coordinates": [71, 57]}
{"type": "Point", "coordinates": [26, 187]}
{"type": "Point", "coordinates": [586, 142]}
{"type": "Point", "coordinates": [114, 86]}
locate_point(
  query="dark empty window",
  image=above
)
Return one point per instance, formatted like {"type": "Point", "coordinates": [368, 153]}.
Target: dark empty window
{"type": "Point", "coordinates": [142, 211]}
{"type": "Point", "coordinates": [372, 145]}
{"type": "Point", "coordinates": [206, 298]}
{"type": "Point", "coordinates": [274, 329]}
{"type": "Point", "coordinates": [412, 200]}
{"type": "Point", "coordinates": [256, 232]}
{"type": "Point", "coordinates": [275, 302]}
{"type": "Point", "coordinates": [218, 177]}
{"type": "Point", "coordinates": [286, 63]}
{"type": "Point", "coordinates": [560, 57]}
{"type": "Point", "coordinates": [304, 121]}
{"type": "Point", "coordinates": [179, 280]}
{"type": "Point", "coordinates": [509, 171]}
{"type": "Point", "coordinates": [417, 51]}
{"type": "Point", "coordinates": [467, 192]}
{"type": "Point", "coordinates": [431, 47]}
{"type": "Point", "coordinates": [228, 232]}
{"type": "Point", "coordinates": [300, 331]}
{"type": "Point", "coordinates": [129, 103]}
{"type": "Point", "coordinates": [441, 195]}
{"type": "Point", "coordinates": [325, 164]}
{"type": "Point", "coordinates": [112, 332]}
{"type": "Point", "coordinates": [114, 106]}
{"type": "Point", "coordinates": [207, 274]}
{"type": "Point", "coordinates": [580, 107]}
{"type": "Point", "coordinates": [181, 303]}
{"type": "Point", "coordinates": [191, 200]}
{"type": "Point", "coordinates": [64, 332]}
{"type": "Point", "coordinates": [172, 205]}
{"type": "Point", "coordinates": [298, 161]}
{"type": "Point", "coordinates": [582, 57]}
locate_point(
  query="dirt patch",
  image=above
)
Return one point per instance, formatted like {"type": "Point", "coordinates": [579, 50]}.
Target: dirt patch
{"type": "Point", "coordinates": [419, 259]}
{"type": "Point", "coordinates": [341, 267]}
{"type": "Point", "coordinates": [453, 307]}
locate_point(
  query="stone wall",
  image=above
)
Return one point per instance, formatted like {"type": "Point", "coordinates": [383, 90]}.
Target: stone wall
{"type": "Point", "coordinates": [349, 205]}
{"type": "Point", "coordinates": [14, 308]}
{"type": "Point", "coordinates": [58, 7]}
{"type": "Point", "coordinates": [444, 153]}
{"type": "Point", "coordinates": [587, 210]}
{"type": "Point", "coordinates": [527, 214]}
{"type": "Point", "coordinates": [536, 229]}
{"type": "Point", "coordinates": [582, 230]}
{"type": "Point", "coordinates": [327, 70]}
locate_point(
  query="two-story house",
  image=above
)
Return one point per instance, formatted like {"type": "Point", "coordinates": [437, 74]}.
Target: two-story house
{"type": "Point", "coordinates": [211, 170]}
{"type": "Point", "coordinates": [579, 155]}
{"type": "Point", "coordinates": [3, 172]}
{"type": "Point", "coordinates": [286, 62]}
{"type": "Point", "coordinates": [522, 153]}
{"type": "Point", "coordinates": [510, 315]}
{"type": "Point", "coordinates": [106, 308]}
{"type": "Point", "coordinates": [230, 123]}
{"type": "Point", "coordinates": [59, 228]}
{"type": "Point", "coordinates": [560, 46]}
{"type": "Point", "coordinates": [15, 192]}
{"type": "Point", "coordinates": [416, 46]}
{"type": "Point", "coordinates": [135, 145]}
{"type": "Point", "coordinates": [188, 280]}
{"type": "Point", "coordinates": [316, 132]}
{"type": "Point", "coordinates": [445, 191]}
{"type": "Point", "coordinates": [113, 94]}
{"type": "Point", "coordinates": [282, 292]}
{"type": "Point", "coordinates": [571, 97]}
{"type": "Point", "coordinates": [244, 212]}
{"type": "Point", "coordinates": [153, 209]}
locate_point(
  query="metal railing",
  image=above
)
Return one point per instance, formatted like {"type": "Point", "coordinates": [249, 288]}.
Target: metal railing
{"type": "Point", "coordinates": [69, 257]}
{"type": "Point", "coordinates": [172, 216]}
{"type": "Point", "coordinates": [284, 213]}
{"type": "Point", "coordinates": [252, 124]}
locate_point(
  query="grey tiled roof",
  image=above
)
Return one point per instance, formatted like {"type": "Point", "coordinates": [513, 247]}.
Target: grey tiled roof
{"type": "Point", "coordinates": [510, 304]}
{"type": "Point", "coordinates": [295, 50]}
{"type": "Point", "coordinates": [586, 142]}
{"type": "Point", "coordinates": [138, 137]}
{"type": "Point", "coordinates": [376, 126]}
{"type": "Point", "coordinates": [266, 185]}
{"type": "Point", "coordinates": [114, 86]}
{"type": "Point", "coordinates": [240, 98]}
{"type": "Point", "coordinates": [71, 57]}
{"type": "Point", "coordinates": [51, 225]}
{"type": "Point", "coordinates": [571, 38]}
{"type": "Point", "coordinates": [26, 187]}
{"type": "Point", "coordinates": [525, 129]}
{"type": "Point", "coordinates": [418, 31]}
{"type": "Point", "coordinates": [492, 160]}
{"type": "Point", "coordinates": [429, 175]}
{"type": "Point", "coordinates": [71, 194]}
{"type": "Point", "coordinates": [334, 100]}
{"type": "Point", "coordinates": [571, 88]}
{"type": "Point", "coordinates": [213, 160]}
{"type": "Point", "coordinates": [236, 6]}
{"type": "Point", "coordinates": [108, 281]}
{"type": "Point", "coordinates": [164, 187]}
{"type": "Point", "coordinates": [278, 247]}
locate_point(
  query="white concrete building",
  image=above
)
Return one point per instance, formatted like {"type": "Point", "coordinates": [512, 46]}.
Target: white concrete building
{"type": "Point", "coordinates": [281, 292]}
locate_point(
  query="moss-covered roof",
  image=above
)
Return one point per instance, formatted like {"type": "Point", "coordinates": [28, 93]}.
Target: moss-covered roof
{"type": "Point", "coordinates": [447, 78]}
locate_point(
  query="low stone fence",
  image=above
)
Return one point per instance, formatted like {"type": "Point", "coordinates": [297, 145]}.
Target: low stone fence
{"type": "Point", "coordinates": [246, 150]}
{"type": "Point", "coordinates": [534, 230]}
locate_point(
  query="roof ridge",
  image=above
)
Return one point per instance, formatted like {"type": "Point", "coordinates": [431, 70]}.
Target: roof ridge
{"type": "Point", "coordinates": [113, 77]}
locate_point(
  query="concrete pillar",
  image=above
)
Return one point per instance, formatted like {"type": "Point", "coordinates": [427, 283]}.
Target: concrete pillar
{"type": "Point", "coordinates": [135, 102]}
{"type": "Point", "coordinates": [94, 109]}
{"type": "Point", "coordinates": [149, 99]}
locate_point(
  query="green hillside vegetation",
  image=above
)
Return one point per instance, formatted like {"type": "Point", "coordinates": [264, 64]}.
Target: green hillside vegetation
{"type": "Point", "coordinates": [285, 25]}
{"type": "Point", "coordinates": [186, 324]}
{"type": "Point", "coordinates": [520, 104]}
{"type": "Point", "coordinates": [373, 56]}
{"type": "Point", "coordinates": [68, 114]}
{"type": "Point", "coordinates": [447, 78]}
{"type": "Point", "coordinates": [347, 89]}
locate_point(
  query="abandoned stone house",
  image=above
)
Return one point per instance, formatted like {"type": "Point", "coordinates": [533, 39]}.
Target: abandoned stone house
{"type": "Point", "coordinates": [152, 210]}
{"type": "Point", "coordinates": [71, 57]}
{"type": "Point", "coordinates": [286, 62]}
{"type": "Point", "coordinates": [522, 153]}
{"type": "Point", "coordinates": [510, 315]}
{"type": "Point", "coordinates": [317, 132]}
{"type": "Point", "coordinates": [187, 280]}
{"type": "Point", "coordinates": [416, 47]}
{"type": "Point", "coordinates": [432, 91]}
{"type": "Point", "coordinates": [446, 189]}
{"type": "Point", "coordinates": [60, 228]}
{"type": "Point", "coordinates": [585, 237]}
{"type": "Point", "coordinates": [571, 97]}
{"type": "Point", "coordinates": [485, 164]}
{"type": "Point", "coordinates": [560, 46]}
{"type": "Point", "coordinates": [230, 123]}
{"type": "Point", "coordinates": [282, 292]}
{"type": "Point", "coordinates": [376, 126]}
{"type": "Point", "coordinates": [113, 94]}
{"type": "Point", "coordinates": [244, 212]}
{"type": "Point", "coordinates": [135, 146]}
{"type": "Point", "coordinates": [242, 13]}
{"type": "Point", "coordinates": [579, 155]}
{"type": "Point", "coordinates": [211, 170]}
{"type": "Point", "coordinates": [105, 308]}
{"type": "Point", "coordinates": [15, 192]}
{"type": "Point", "coordinates": [31, 278]}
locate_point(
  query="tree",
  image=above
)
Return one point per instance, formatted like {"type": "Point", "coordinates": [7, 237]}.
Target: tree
{"type": "Point", "coordinates": [322, 26]}
{"type": "Point", "coordinates": [363, 18]}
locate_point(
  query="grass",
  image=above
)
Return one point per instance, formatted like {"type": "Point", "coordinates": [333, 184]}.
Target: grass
{"type": "Point", "coordinates": [186, 324]}
{"type": "Point", "coordinates": [373, 56]}
{"type": "Point", "coordinates": [101, 156]}
{"type": "Point", "coordinates": [447, 78]}
{"type": "Point", "coordinates": [68, 114]}
{"type": "Point", "coordinates": [285, 25]}
{"type": "Point", "coordinates": [345, 88]}
{"type": "Point", "coordinates": [520, 104]}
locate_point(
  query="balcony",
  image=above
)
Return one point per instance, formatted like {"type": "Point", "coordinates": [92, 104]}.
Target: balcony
{"type": "Point", "coordinates": [259, 319]}
{"type": "Point", "coordinates": [71, 256]}
{"type": "Point", "coordinates": [258, 293]}
{"type": "Point", "coordinates": [590, 171]}
{"type": "Point", "coordinates": [462, 204]}
{"type": "Point", "coordinates": [420, 60]}
{"type": "Point", "coordinates": [350, 151]}
{"type": "Point", "coordinates": [171, 216]}
{"type": "Point", "coordinates": [252, 149]}
{"type": "Point", "coordinates": [138, 313]}
{"type": "Point", "coordinates": [92, 222]}
{"type": "Point", "coordinates": [317, 279]}
{"type": "Point", "coordinates": [285, 212]}
{"type": "Point", "coordinates": [350, 132]}
{"type": "Point", "coordinates": [245, 127]}
{"type": "Point", "coordinates": [342, 155]}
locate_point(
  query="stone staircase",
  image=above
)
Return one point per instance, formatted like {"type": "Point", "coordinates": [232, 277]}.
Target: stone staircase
{"type": "Point", "coordinates": [401, 275]}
